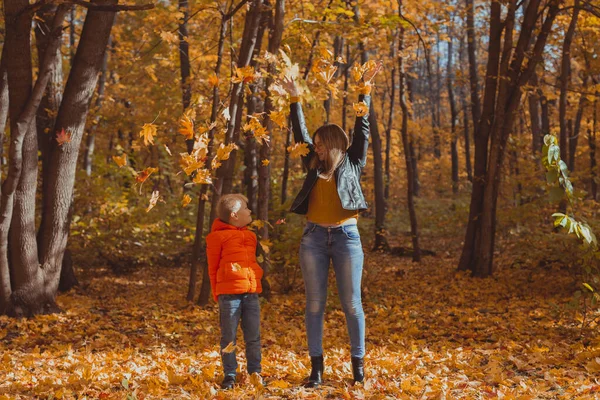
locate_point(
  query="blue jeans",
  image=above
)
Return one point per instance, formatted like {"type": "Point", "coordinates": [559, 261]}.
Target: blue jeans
{"type": "Point", "coordinates": [232, 307]}
{"type": "Point", "coordinates": [341, 246]}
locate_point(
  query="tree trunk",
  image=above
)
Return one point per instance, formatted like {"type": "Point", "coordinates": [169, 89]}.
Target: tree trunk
{"type": "Point", "coordinates": [3, 103]}
{"type": "Point", "coordinates": [338, 48]}
{"type": "Point", "coordinates": [264, 173]}
{"type": "Point", "coordinates": [198, 253]}
{"type": "Point", "coordinates": [534, 115]}
{"type": "Point", "coordinates": [388, 131]}
{"type": "Point", "coordinates": [381, 242]}
{"type": "Point", "coordinates": [184, 63]}
{"type": "Point", "coordinates": [251, 157]}
{"type": "Point", "coordinates": [574, 137]}
{"type": "Point", "coordinates": [412, 152]}
{"type": "Point", "coordinates": [408, 152]}
{"type": "Point", "coordinates": [481, 126]}
{"type": "Point", "coordinates": [592, 143]}
{"type": "Point", "coordinates": [453, 118]}
{"type": "Point", "coordinates": [565, 78]}
{"type": "Point", "coordinates": [72, 35]}
{"type": "Point", "coordinates": [254, 105]}
{"type": "Point", "coordinates": [19, 296]}
{"type": "Point", "coordinates": [346, 82]}
{"type": "Point", "coordinates": [224, 180]}
{"type": "Point", "coordinates": [509, 96]}
{"type": "Point", "coordinates": [435, 124]}
{"type": "Point", "coordinates": [63, 160]}
{"type": "Point", "coordinates": [465, 113]}
{"type": "Point", "coordinates": [90, 140]}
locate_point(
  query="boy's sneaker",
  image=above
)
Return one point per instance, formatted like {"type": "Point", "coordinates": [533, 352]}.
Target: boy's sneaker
{"type": "Point", "coordinates": [256, 380]}
{"type": "Point", "coordinates": [228, 382]}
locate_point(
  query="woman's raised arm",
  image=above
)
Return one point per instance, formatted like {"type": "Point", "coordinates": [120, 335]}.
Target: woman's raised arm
{"type": "Point", "coordinates": [357, 152]}
{"type": "Point", "coordinates": [301, 134]}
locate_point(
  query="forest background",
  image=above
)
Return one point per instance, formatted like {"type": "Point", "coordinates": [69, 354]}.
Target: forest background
{"type": "Point", "coordinates": [122, 123]}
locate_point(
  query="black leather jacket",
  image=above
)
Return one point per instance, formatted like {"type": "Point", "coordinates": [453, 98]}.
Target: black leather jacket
{"type": "Point", "coordinates": [347, 175]}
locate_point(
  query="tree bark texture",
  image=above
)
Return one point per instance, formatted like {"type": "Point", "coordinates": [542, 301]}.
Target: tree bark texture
{"type": "Point", "coordinates": [72, 115]}
{"type": "Point", "coordinates": [408, 152]}
{"type": "Point", "coordinates": [565, 79]}
{"type": "Point", "coordinates": [22, 290]}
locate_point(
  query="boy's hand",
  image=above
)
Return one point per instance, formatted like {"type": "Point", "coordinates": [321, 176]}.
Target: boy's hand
{"type": "Point", "coordinates": [289, 85]}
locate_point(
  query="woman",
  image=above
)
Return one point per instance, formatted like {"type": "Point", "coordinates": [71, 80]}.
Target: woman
{"type": "Point", "coordinates": [331, 198]}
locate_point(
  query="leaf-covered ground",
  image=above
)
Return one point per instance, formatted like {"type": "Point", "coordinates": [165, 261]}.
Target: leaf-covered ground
{"type": "Point", "coordinates": [431, 333]}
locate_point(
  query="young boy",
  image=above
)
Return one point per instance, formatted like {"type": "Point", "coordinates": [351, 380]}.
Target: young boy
{"type": "Point", "coordinates": [235, 281]}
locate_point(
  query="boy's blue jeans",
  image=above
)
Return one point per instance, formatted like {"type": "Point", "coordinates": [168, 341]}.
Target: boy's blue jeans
{"type": "Point", "coordinates": [232, 308]}
{"type": "Point", "coordinates": [341, 246]}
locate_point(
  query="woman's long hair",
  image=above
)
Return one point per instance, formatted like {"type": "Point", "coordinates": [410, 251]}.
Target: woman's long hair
{"type": "Point", "coordinates": [336, 142]}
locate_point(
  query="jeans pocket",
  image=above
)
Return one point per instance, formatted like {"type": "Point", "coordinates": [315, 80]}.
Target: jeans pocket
{"type": "Point", "coordinates": [351, 232]}
{"type": "Point", "coordinates": [308, 229]}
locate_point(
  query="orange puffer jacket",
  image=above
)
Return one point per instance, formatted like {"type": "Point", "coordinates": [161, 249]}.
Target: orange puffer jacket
{"type": "Point", "coordinates": [232, 266]}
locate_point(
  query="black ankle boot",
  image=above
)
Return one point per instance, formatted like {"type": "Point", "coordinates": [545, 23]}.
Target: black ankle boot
{"type": "Point", "coordinates": [316, 373]}
{"type": "Point", "coordinates": [358, 369]}
{"type": "Point", "coordinates": [228, 382]}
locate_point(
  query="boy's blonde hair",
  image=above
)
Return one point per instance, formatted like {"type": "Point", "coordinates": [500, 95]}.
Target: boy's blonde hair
{"type": "Point", "coordinates": [229, 203]}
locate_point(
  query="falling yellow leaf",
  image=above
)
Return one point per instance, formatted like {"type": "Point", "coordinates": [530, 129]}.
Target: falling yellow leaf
{"type": "Point", "coordinates": [323, 70]}
{"type": "Point", "coordinates": [265, 162]}
{"type": "Point", "coordinates": [361, 109]}
{"type": "Point", "coordinates": [189, 163]}
{"type": "Point", "coordinates": [215, 163]}
{"type": "Point", "coordinates": [121, 160]}
{"type": "Point", "coordinates": [224, 151]}
{"type": "Point", "coordinates": [186, 200]}
{"type": "Point", "coordinates": [213, 80]}
{"type": "Point", "coordinates": [153, 200]}
{"type": "Point", "coordinates": [147, 133]}
{"type": "Point", "coordinates": [244, 74]}
{"type": "Point", "coordinates": [143, 175]}
{"type": "Point", "coordinates": [298, 150]}
{"type": "Point", "coordinates": [305, 40]}
{"type": "Point", "coordinates": [150, 71]}
{"type": "Point", "coordinates": [202, 176]}
{"type": "Point", "coordinates": [230, 348]}
{"type": "Point", "coordinates": [186, 127]}
{"type": "Point", "coordinates": [279, 117]}
{"type": "Point", "coordinates": [266, 245]}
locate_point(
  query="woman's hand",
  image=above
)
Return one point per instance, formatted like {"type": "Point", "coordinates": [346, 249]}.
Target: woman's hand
{"type": "Point", "coordinates": [289, 85]}
{"type": "Point", "coordinates": [371, 72]}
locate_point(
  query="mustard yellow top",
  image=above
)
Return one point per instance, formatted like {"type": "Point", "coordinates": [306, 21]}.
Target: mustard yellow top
{"type": "Point", "coordinates": [325, 206]}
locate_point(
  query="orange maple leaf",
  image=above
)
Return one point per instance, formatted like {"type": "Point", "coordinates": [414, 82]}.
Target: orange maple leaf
{"type": "Point", "coordinates": [186, 127]}
{"type": "Point", "coordinates": [360, 108]}
{"type": "Point", "coordinates": [279, 117]}
{"type": "Point", "coordinates": [186, 200]}
{"type": "Point", "coordinates": [142, 176]}
{"type": "Point", "coordinates": [244, 74]}
{"type": "Point", "coordinates": [148, 132]}
{"type": "Point", "coordinates": [298, 150]}
{"type": "Point", "coordinates": [121, 160]}
{"type": "Point", "coordinates": [202, 176]}
{"type": "Point", "coordinates": [213, 80]}
{"type": "Point", "coordinates": [63, 137]}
